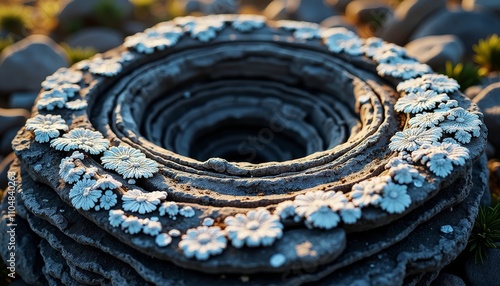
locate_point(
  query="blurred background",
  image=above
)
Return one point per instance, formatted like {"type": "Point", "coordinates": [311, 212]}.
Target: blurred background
{"type": "Point", "coordinates": [456, 38]}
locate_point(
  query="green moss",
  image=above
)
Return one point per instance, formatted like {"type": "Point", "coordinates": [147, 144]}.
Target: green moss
{"type": "Point", "coordinates": [108, 13]}
{"type": "Point", "coordinates": [78, 53]}
{"type": "Point", "coordinates": [15, 19]}
{"type": "Point", "coordinates": [487, 53]}
{"type": "Point", "coordinates": [486, 232]}
{"type": "Point", "coordinates": [465, 74]}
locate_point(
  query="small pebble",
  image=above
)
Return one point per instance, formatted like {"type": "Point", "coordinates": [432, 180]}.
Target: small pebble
{"type": "Point", "coordinates": [208, 221]}
{"type": "Point", "coordinates": [447, 229]}
{"type": "Point", "coordinates": [277, 260]}
{"type": "Point", "coordinates": [174, 233]}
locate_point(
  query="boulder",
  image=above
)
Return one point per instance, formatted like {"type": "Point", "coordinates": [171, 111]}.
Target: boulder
{"type": "Point", "coordinates": [469, 26]}
{"type": "Point", "coordinates": [84, 8]}
{"type": "Point", "coordinates": [488, 101]}
{"type": "Point", "coordinates": [437, 50]}
{"type": "Point", "coordinates": [493, 5]}
{"type": "Point", "coordinates": [486, 273]}
{"type": "Point", "coordinates": [409, 15]}
{"type": "Point", "coordinates": [25, 64]}
{"type": "Point", "coordinates": [101, 39]}
{"type": "Point", "coordinates": [445, 279]}
{"type": "Point", "coordinates": [310, 11]}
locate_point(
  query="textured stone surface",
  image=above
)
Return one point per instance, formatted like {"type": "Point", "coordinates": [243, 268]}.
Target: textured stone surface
{"type": "Point", "coordinates": [437, 50]}
{"type": "Point", "coordinates": [35, 58]}
{"type": "Point", "coordinates": [239, 121]}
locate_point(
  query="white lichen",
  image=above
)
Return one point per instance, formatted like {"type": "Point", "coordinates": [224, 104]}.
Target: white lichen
{"type": "Point", "coordinates": [257, 227]}
{"type": "Point", "coordinates": [203, 242]}
{"type": "Point", "coordinates": [81, 139]}
{"type": "Point", "coordinates": [46, 127]}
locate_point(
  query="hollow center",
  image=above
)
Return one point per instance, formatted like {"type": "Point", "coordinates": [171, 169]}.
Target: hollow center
{"type": "Point", "coordinates": [250, 139]}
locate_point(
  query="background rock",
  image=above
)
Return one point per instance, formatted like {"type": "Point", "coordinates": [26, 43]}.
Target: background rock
{"type": "Point", "coordinates": [84, 8]}
{"type": "Point", "coordinates": [469, 26]}
{"type": "Point", "coordinates": [486, 273]}
{"type": "Point", "coordinates": [101, 39]}
{"type": "Point", "coordinates": [445, 279]}
{"type": "Point", "coordinates": [481, 4]}
{"type": "Point", "coordinates": [408, 16]}
{"type": "Point", "coordinates": [488, 101]}
{"type": "Point", "coordinates": [25, 64]}
{"type": "Point", "coordinates": [436, 50]}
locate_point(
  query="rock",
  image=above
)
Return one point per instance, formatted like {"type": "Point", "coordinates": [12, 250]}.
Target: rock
{"type": "Point", "coordinates": [407, 18]}
{"type": "Point", "coordinates": [490, 150]}
{"type": "Point", "coordinates": [469, 26]}
{"type": "Point", "coordinates": [368, 12]}
{"type": "Point", "coordinates": [101, 39]}
{"type": "Point", "coordinates": [132, 27]}
{"type": "Point", "coordinates": [25, 64]}
{"type": "Point", "coordinates": [22, 100]}
{"type": "Point", "coordinates": [436, 50]}
{"type": "Point", "coordinates": [337, 21]}
{"type": "Point", "coordinates": [85, 8]}
{"type": "Point", "coordinates": [445, 279]}
{"type": "Point", "coordinates": [11, 120]}
{"type": "Point", "coordinates": [488, 101]}
{"type": "Point", "coordinates": [220, 7]}
{"type": "Point", "coordinates": [481, 4]}
{"type": "Point", "coordinates": [485, 273]}
{"type": "Point", "coordinates": [310, 11]}
{"type": "Point", "coordinates": [491, 78]}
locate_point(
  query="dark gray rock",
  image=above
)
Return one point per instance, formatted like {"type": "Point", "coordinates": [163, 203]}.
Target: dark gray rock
{"type": "Point", "coordinates": [445, 279]}
{"type": "Point", "coordinates": [25, 64]}
{"type": "Point", "coordinates": [22, 100]}
{"type": "Point", "coordinates": [409, 15]}
{"type": "Point", "coordinates": [310, 11]}
{"type": "Point", "coordinates": [101, 39]}
{"type": "Point", "coordinates": [85, 8]}
{"type": "Point", "coordinates": [488, 5]}
{"type": "Point", "coordinates": [436, 50]}
{"type": "Point", "coordinates": [469, 26]}
{"type": "Point", "coordinates": [11, 120]}
{"type": "Point", "coordinates": [488, 101]}
{"type": "Point", "coordinates": [220, 7]}
{"type": "Point", "coordinates": [486, 273]}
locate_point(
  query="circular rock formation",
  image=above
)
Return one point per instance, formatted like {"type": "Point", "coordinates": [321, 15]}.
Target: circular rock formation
{"type": "Point", "coordinates": [229, 149]}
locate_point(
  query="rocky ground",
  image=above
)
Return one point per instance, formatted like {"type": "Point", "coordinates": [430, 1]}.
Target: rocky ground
{"type": "Point", "coordinates": [44, 35]}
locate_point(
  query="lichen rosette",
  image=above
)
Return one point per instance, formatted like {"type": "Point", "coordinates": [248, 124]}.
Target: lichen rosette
{"type": "Point", "coordinates": [123, 159]}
